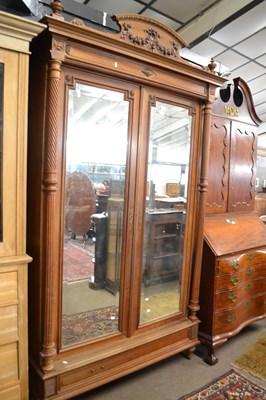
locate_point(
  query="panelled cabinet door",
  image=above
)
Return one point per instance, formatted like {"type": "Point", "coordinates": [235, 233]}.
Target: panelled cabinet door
{"type": "Point", "coordinates": [219, 161]}
{"type": "Point", "coordinates": [242, 167]}
{"type": "Point", "coordinates": [231, 183]}
{"type": "Point", "coordinates": [233, 152]}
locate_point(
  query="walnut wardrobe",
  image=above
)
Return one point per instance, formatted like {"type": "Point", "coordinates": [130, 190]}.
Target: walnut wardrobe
{"type": "Point", "coordinates": [113, 119]}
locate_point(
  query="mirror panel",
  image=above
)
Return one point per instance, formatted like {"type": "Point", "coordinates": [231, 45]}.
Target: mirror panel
{"type": "Point", "coordinates": [165, 216]}
{"type": "Point", "coordinates": [96, 151]}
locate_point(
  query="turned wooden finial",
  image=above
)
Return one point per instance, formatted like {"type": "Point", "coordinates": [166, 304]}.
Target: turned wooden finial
{"type": "Point", "coordinates": [212, 65]}
{"type": "Point", "coordinates": [57, 8]}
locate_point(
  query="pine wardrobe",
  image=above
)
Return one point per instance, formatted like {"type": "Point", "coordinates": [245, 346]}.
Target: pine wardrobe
{"type": "Point", "coordinates": [16, 34]}
{"type": "Point", "coordinates": [114, 117]}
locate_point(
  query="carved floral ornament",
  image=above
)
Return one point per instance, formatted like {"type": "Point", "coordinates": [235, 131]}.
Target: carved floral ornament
{"type": "Point", "coordinates": [150, 39]}
{"type": "Point", "coordinates": [58, 49]}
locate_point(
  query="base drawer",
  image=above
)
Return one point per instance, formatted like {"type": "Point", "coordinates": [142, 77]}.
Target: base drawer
{"type": "Point", "coordinates": [231, 318]}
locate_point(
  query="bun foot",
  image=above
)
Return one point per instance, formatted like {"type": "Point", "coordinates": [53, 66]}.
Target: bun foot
{"type": "Point", "coordinates": [189, 352]}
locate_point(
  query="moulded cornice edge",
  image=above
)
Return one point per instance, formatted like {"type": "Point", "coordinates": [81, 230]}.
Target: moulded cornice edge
{"type": "Point", "coordinates": [17, 32]}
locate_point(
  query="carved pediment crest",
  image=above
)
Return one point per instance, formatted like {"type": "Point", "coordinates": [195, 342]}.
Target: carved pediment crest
{"type": "Point", "coordinates": [150, 34]}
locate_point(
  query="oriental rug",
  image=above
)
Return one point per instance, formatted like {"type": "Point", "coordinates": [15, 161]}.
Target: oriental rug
{"type": "Point", "coordinates": [89, 325]}
{"type": "Point", "coordinates": [78, 262]}
{"type": "Point", "coordinates": [230, 386]}
{"type": "Point", "coordinates": [253, 359]}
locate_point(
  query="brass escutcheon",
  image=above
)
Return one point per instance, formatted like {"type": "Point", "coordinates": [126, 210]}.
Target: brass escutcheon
{"type": "Point", "coordinates": [247, 304]}
{"type": "Point", "coordinates": [249, 286]}
{"type": "Point", "coordinates": [231, 318]}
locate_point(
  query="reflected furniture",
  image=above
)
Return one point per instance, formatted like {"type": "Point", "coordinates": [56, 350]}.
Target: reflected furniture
{"type": "Point", "coordinates": [15, 36]}
{"type": "Point", "coordinates": [164, 236]}
{"type": "Point", "coordinates": [232, 291]}
{"type": "Point", "coordinates": [115, 207]}
{"type": "Point", "coordinates": [99, 222]}
{"type": "Point", "coordinates": [171, 202]}
{"type": "Point", "coordinates": [80, 203]}
{"type": "Point", "coordinates": [115, 88]}
{"type": "Point", "coordinates": [260, 204]}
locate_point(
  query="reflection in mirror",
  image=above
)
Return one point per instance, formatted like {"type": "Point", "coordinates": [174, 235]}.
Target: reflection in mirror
{"type": "Point", "coordinates": [96, 148]}
{"type": "Point", "coordinates": [1, 148]}
{"type": "Point", "coordinates": [260, 181]}
{"type": "Point", "coordinates": [261, 161]}
{"type": "Point", "coordinates": [168, 167]}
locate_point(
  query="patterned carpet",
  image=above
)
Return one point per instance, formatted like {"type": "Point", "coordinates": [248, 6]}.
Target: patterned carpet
{"type": "Point", "coordinates": [231, 386]}
{"type": "Point", "coordinates": [89, 325]}
{"type": "Point", "coordinates": [78, 262]}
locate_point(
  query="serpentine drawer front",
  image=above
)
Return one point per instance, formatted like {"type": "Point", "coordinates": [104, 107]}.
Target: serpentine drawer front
{"type": "Point", "coordinates": [233, 284]}
{"type": "Point", "coordinates": [228, 320]}
{"type": "Point", "coordinates": [245, 290]}
{"type": "Point", "coordinates": [232, 264]}
{"type": "Point", "coordinates": [234, 279]}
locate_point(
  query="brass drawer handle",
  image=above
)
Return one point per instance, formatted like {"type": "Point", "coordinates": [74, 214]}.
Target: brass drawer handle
{"type": "Point", "coordinates": [250, 271]}
{"type": "Point", "coordinates": [231, 318]}
{"type": "Point", "coordinates": [234, 280]}
{"type": "Point", "coordinates": [249, 286]}
{"type": "Point", "coordinates": [234, 264]}
{"type": "Point", "coordinates": [250, 256]}
{"type": "Point", "coordinates": [233, 297]}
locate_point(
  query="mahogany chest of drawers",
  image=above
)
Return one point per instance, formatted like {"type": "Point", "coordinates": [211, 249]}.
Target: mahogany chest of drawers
{"type": "Point", "coordinates": [233, 281]}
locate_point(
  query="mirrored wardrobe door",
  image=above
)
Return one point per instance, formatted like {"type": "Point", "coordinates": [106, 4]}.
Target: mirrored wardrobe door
{"type": "Point", "coordinates": [98, 136]}
{"type": "Point", "coordinates": [167, 164]}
